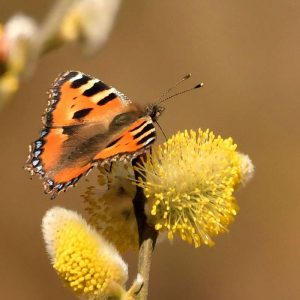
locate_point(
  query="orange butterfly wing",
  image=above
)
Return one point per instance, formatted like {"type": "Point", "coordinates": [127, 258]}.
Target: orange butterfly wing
{"type": "Point", "coordinates": [138, 136]}
{"type": "Point", "coordinates": [76, 98]}
{"type": "Point", "coordinates": [86, 123]}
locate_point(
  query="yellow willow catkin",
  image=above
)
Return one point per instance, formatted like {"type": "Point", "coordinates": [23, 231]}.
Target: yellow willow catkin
{"type": "Point", "coordinates": [89, 265]}
{"type": "Point", "coordinates": [189, 182]}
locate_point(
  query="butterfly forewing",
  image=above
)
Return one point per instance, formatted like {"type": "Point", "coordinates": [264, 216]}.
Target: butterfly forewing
{"type": "Point", "coordinates": [76, 98]}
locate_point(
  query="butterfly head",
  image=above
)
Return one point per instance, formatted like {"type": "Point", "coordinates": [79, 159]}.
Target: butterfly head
{"type": "Point", "coordinates": [154, 111]}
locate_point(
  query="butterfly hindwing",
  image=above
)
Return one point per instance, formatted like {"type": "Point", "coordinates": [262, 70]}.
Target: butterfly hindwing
{"type": "Point", "coordinates": [46, 159]}
{"type": "Point", "coordinates": [138, 136]}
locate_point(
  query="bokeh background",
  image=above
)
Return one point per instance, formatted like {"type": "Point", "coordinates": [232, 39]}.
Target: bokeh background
{"type": "Point", "coordinates": [247, 53]}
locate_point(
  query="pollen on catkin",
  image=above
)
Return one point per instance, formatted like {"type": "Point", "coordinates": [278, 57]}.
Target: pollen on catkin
{"type": "Point", "coordinates": [87, 263]}
{"type": "Point", "coordinates": [111, 211]}
{"type": "Point", "coordinates": [189, 182]}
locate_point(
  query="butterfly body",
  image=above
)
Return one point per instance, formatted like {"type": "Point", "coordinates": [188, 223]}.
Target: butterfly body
{"type": "Point", "coordinates": [87, 123]}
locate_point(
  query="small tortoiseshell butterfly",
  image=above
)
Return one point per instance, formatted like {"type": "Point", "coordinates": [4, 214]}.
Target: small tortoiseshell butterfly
{"type": "Point", "coordinates": [87, 123]}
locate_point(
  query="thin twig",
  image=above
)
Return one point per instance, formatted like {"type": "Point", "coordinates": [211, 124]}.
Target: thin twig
{"type": "Point", "coordinates": [147, 237]}
{"type": "Point", "coordinates": [47, 36]}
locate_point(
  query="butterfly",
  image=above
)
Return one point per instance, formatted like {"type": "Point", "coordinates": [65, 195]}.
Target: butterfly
{"type": "Point", "coordinates": [87, 123]}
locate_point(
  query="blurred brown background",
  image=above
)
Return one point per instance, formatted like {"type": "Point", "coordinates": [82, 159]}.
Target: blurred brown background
{"type": "Point", "coordinates": [247, 53]}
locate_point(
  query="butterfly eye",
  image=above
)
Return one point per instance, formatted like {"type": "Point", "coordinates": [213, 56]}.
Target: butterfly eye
{"type": "Point", "coordinates": [121, 120]}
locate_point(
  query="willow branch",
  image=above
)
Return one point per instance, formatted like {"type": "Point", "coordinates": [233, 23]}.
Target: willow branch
{"type": "Point", "coordinates": [46, 37]}
{"type": "Point", "coordinates": [147, 237]}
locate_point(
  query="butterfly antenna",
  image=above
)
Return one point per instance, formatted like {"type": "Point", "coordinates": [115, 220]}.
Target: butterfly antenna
{"type": "Point", "coordinates": [161, 130]}
{"type": "Point", "coordinates": [182, 92]}
{"type": "Point", "coordinates": [187, 76]}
